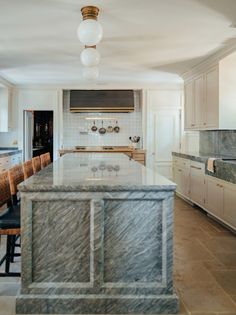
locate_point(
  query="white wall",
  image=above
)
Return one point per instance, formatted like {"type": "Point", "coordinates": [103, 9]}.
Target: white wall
{"type": "Point", "coordinates": [41, 99]}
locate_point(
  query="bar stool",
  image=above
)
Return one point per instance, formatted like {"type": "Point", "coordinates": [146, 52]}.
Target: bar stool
{"type": "Point", "coordinates": [45, 159]}
{"type": "Point", "coordinates": [9, 225]}
{"type": "Point", "coordinates": [16, 176]}
{"type": "Point", "coordinates": [36, 163]}
{"type": "Point", "coordinates": [27, 169]}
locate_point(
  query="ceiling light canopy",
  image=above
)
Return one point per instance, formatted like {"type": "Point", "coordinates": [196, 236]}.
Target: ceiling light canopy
{"type": "Point", "coordinates": [90, 30]}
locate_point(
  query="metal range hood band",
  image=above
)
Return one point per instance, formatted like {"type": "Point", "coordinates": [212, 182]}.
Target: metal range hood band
{"type": "Point", "coordinates": [105, 101]}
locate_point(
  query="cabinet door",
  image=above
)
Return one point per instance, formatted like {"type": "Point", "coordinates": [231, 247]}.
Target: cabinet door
{"type": "Point", "coordinates": [229, 205]}
{"type": "Point", "coordinates": [186, 181]}
{"type": "Point", "coordinates": [178, 179]}
{"type": "Point", "coordinates": [197, 176]}
{"type": "Point", "coordinates": [212, 98]}
{"type": "Point", "coordinates": [200, 111]}
{"type": "Point", "coordinates": [214, 197]}
{"type": "Point", "coordinates": [189, 108]}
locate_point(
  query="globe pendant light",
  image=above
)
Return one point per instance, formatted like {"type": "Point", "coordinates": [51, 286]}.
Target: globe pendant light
{"type": "Point", "coordinates": [90, 57]}
{"type": "Point", "coordinates": [90, 30]}
{"type": "Point", "coordinates": [90, 73]}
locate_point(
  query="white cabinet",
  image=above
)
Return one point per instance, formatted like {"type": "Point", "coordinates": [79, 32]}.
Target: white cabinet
{"type": "Point", "coordinates": [229, 204]}
{"type": "Point", "coordinates": [199, 102]}
{"type": "Point", "coordinates": [214, 196]}
{"type": "Point", "coordinates": [181, 175]}
{"type": "Point", "coordinates": [5, 109]}
{"type": "Point", "coordinates": [197, 182]}
{"type": "Point", "coordinates": [221, 200]}
{"type": "Point", "coordinates": [189, 107]}
{"type": "Point", "coordinates": [202, 112]}
{"type": "Point", "coordinates": [210, 96]}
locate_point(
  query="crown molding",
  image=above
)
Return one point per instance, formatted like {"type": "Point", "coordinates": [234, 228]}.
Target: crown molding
{"type": "Point", "coordinates": [209, 61]}
{"type": "Point", "coordinates": [5, 82]}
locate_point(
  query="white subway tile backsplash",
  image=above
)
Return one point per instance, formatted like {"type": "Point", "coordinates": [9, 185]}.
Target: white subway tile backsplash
{"type": "Point", "coordinates": [75, 123]}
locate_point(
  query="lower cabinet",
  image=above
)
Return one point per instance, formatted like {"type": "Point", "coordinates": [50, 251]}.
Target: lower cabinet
{"type": "Point", "coordinates": [181, 175]}
{"type": "Point", "coordinates": [221, 200]}
{"type": "Point", "coordinates": [197, 181]}
{"type": "Point", "coordinates": [229, 204]}
{"type": "Point", "coordinates": [212, 194]}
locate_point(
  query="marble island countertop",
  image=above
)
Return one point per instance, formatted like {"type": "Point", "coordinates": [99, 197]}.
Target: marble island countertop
{"type": "Point", "coordinates": [93, 172]}
{"type": "Point", "coordinates": [225, 166]}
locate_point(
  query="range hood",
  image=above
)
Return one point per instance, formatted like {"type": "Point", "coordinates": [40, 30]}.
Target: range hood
{"type": "Point", "coordinates": [101, 101]}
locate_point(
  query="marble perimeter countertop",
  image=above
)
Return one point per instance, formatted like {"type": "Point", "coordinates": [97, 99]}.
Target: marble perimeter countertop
{"type": "Point", "coordinates": [225, 166]}
{"type": "Point", "coordinates": [8, 152]}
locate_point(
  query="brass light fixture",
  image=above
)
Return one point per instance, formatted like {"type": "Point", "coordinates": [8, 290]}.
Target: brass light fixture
{"type": "Point", "coordinates": [90, 30]}
{"type": "Point", "coordinates": [90, 33]}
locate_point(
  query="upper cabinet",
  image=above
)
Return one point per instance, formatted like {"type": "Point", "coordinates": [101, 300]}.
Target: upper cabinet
{"type": "Point", "coordinates": [5, 109]}
{"type": "Point", "coordinates": [210, 97]}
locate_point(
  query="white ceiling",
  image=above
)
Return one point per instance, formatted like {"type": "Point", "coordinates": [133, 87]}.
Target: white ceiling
{"type": "Point", "coordinates": [145, 41]}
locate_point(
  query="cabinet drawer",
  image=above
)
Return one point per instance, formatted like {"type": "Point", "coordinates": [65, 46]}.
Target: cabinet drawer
{"type": "Point", "coordinates": [197, 166]}
{"type": "Point", "coordinates": [137, 156]}
{"type": "Point", "coordinates": [181, 162]}
{"type": "Point", "coordinates": [184, 163]}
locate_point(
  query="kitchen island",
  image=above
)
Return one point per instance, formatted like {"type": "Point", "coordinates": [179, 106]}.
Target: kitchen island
{"type": "Point", "coordinates": [97, 238]}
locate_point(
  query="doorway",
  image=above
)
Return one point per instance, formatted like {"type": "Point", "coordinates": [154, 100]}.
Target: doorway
{"type": "Point", "coordinates": [38, 133]}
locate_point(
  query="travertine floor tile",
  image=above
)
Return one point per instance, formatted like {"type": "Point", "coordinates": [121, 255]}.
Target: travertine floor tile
{"type": "Point", "coordinates": [194, 272]}
{"type": "Point", "coordinates": [205, 297]}
{"type": "Point", "coordinates": [226, 279]}
{"type": "Point", "coordinates": [227, 259]}
{"type": "Point", "coordinates": [191, 250]}
{"type": "Point", "coordinates": [222, 245]}
{"type": "Point", "coordinates": [7, 305]}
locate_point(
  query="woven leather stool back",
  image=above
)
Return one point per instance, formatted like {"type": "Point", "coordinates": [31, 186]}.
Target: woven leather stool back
{"type": "Point", "coordinates": [16, 176]}
{"type": "Point", "coordinates": [36, 164]}
{"type": "Point", "coordinates": [27, 169]}
{"type": "Point", "coordinates": [5, 192]}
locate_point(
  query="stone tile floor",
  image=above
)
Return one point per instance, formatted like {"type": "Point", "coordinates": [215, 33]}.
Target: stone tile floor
{"type": "Point", "coordinates": [204, 266]}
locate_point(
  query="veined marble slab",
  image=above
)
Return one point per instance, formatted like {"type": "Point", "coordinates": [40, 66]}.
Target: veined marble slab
{"type": "Point", "coordinates": [97, 238]}
{"type": "Point", "coordinates": [96, 172]}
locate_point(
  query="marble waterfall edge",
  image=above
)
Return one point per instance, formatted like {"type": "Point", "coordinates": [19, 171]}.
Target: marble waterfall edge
{"type": "Point", "coordinates": [97, 243]}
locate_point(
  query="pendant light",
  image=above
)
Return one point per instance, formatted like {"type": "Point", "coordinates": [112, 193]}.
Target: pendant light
{"type": "Point", "coordinates": [90, 30]}
{"type": "Point", "coordinates": [90, 57]}
{"type": "Point", "coordinates": [90, 73]}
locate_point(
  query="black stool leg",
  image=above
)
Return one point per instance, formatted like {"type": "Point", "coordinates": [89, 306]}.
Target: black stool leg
{"type": "Point", "coordinates": [8, 253]}
{"type": "Point", "coordinates": [13, 247]}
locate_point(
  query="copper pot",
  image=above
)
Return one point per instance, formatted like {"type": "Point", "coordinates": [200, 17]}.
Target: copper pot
{"type": "Point", "coordinates": [94, 127]}
{"type": "Point", "coordinates": [102, 130]}
{"type": "Point", "coordinates": [116, 128]}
